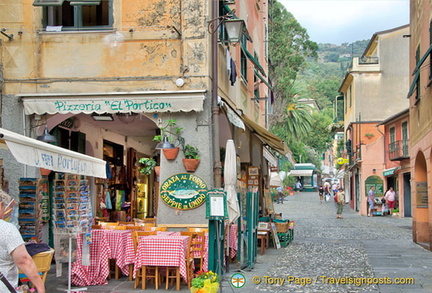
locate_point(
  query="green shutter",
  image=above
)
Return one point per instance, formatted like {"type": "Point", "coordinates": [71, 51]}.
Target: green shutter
{"type": "Point", "coordinates": [48, 2]}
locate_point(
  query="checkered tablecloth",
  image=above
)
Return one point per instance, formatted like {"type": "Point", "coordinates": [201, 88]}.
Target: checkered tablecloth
{"type": "Point", "coordinates": [163, 251]}
{"type": "Point", "coordinates": [233, 240]}
{"type": "Point", "coordinates": [121, 248]}
{"type": "Point", "coordinates": [97, 272]}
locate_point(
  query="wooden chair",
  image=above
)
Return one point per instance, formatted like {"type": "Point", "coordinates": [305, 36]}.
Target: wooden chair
{"type": "Point", "coordinates": [140, 228]}
{"type": "Point", "coordinates": [191, 229]}
{"type": "Point", "coordinates": [96, 227]}
{"type": "Point", "coordinates": [105, 225]}
{"type": "Point", "coordinates": [101, 219]}
{"type": "Point", "coordinates": [43, 263]}
{"type": "Point", "coordinates": [196, 252]}
{"type": "Point", "coordinates": [121, 223]}
{"type": "Point", "coordinates": [173, 273]}
{"type": "Point", "coordinates": [145, 271]}
{"type": "Point", "coordinates": [158, 228]}
{"type": "Point", "coordinates": [116, 227]}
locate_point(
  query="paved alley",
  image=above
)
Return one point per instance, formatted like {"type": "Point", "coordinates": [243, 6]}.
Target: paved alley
{"type": "Point", "coordinates": [354, 249]}
{"type": "Point", "coordinates": [326, 252]}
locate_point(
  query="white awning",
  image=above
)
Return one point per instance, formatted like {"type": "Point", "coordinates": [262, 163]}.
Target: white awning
{"type": "Point", "coordinates": [40, 154]}
{"type": "Point", "coordinates": [299, 173]}
{"type": "Point", "coordinates": [138, 102]}
{"type": "Point", "coordinates": [275, 180]}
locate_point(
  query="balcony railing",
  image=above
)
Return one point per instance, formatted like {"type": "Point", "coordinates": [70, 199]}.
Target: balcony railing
{"type": "Point", "coordinates": [368, 60]}
{"type": "Point", "coordinates": [398, 150]}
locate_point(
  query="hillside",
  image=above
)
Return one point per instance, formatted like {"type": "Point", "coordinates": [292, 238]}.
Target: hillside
{"type": "Point", "coordinates": [320, 79]}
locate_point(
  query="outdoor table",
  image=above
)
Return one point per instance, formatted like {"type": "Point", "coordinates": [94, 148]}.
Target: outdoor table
{"type": "Point", "coordinates": [97, 272]}
{"type": "Point", "coordinates": [121, 248]}
{"type": "Point", "coordinates": [162, 251]}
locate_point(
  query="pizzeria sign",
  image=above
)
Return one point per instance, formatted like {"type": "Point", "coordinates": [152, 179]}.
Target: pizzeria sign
{"type": "Point", "coordinates": [183, 191]}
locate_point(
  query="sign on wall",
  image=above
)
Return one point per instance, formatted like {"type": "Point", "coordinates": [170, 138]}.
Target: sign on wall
{"type": "Point", "coordinates": [183, 191]}
{"type": "Point", "coordinates": [421, 195]}
{"type": "Point", "coordinates": [377, 182]}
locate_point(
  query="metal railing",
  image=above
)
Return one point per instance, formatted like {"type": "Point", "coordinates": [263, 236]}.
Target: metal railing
{"type": "Point", "coordinates": [398, 150]}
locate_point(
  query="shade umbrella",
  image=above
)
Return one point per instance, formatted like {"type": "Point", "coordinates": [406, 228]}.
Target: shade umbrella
{"type": "Point", "coordinates": [230, 180]}
{"type": "Point", "coordinates": [275, 180]}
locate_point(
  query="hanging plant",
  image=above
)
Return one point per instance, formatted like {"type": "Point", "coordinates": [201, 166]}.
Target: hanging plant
{"type": "Point", "coordinates": [148, 165]}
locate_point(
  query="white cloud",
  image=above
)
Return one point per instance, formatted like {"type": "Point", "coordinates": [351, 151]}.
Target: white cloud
{"type": "Point", "coordinates": [339, 21]}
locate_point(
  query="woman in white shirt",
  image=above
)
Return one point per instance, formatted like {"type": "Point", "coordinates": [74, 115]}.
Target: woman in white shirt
{"type": "Point", "coordinates": [390, 198]}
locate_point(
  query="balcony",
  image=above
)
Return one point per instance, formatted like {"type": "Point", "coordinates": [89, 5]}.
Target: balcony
{"type": "Point", "coordinates": [398, 150]}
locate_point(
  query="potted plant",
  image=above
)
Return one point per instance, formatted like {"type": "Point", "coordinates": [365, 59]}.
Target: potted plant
{"type": "Point", "coordinates": [170, 134]}
{"type": "Point", "coordinates": [191, 160]}
{"type": "Point", "coordinates": [148, 165]}
{"type": "Point", "coordinates": [205, 282]}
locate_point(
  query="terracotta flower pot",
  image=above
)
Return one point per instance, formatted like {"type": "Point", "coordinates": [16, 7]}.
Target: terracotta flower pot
{"type": "Point", "coordinates": [171, 154]}
{"type": "Point", "coordinates": [157, 170]}
{"type": "Point", "coordinates": [44, 172]}
{"type": "Point", "coordinates": [191, 164]}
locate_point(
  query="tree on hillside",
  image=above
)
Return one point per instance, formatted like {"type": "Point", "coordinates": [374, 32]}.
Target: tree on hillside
{"type": "Point", "coordinates": [289, 46]}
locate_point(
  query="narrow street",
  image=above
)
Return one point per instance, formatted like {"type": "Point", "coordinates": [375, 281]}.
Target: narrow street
{"type": "Point", "coordinates": [325, 250]}
{"type": "Point", "coordinates": [354, 247]}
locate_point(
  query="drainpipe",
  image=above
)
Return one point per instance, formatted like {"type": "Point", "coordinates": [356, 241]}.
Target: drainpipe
{"type": "Point", "coordinates": [384, 149]}
{"type": "Point", "coordinates": [217, 165]}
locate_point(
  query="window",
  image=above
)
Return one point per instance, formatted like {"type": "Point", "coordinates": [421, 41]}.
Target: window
{"type": "Point", "coordinates": [405, 139]}
{"type": "Point", "coordinates": [430, 54]}
{"type": "Point", "coordinates": [392, 135]}
{"type": "Point", "coordinates": [243, 59]}
{"type": "Point", "coordinates": [418, 79]}
{"type": "Point", "coordinates": [77, 15]}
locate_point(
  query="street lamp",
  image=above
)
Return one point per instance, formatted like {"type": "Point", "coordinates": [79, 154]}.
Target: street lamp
{"type": "Point", "coordinates": [235, 28]}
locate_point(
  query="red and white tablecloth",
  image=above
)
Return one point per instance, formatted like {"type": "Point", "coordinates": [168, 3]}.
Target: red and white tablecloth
{"type": "Point", "coordinates": [121, 248]}
{"type": "Point", "coordinates": [233, 240]}
{"type": "Point", "coordinates": [97, 272]}
{"type": "Point", "coordinates": [162, 251]}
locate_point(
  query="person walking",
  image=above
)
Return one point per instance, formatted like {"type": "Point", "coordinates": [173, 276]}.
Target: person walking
{"type": "Point", "coordinates": [298, 186]}
{"type": "Point", "coordinates": [371, 201]}
{"type": "Point", "coordinates": [279, 195]}
{"type": "Point", "coordinates": [327, 191]}
{"type": "Point", "coordinates": [321, 193]}
{"type": "Point", "coordinates": [13, 253]}
{"type": "Point", "coordinates": [340, 202]}
{"type": "Point", "coordinates": [390, 198]}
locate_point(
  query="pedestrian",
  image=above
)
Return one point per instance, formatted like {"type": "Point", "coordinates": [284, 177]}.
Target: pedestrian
{"type": "Point", "coordinates": [371, 201]}
{"type": "Point", "coordinates": [298, 186]}
{"type": "Point", "coordinates": [340, 202]}
{"type": "Point", "coordinates": [13, 253]}
{"type": "Point", "coordinates": [327, 190]}
{"type": "Point", "coordinates": [390, 198]}
{"type": "Point", "coordinates": [321, 193]}
{"type": "Point", "coordinates": [334, 188]}
{"type": "Point", "coordinates": [279, 195]}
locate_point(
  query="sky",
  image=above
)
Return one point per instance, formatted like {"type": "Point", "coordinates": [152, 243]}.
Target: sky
{"type": "Point", "coordinates": [346, 21]}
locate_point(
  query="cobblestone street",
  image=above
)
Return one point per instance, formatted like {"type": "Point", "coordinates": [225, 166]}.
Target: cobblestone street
{"type": "Point", "coordinates": [378, 248]}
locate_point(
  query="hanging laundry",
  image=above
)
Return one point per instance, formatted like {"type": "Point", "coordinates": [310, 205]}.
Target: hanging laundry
{"type": "Point", "coordinates": [233, 75]}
